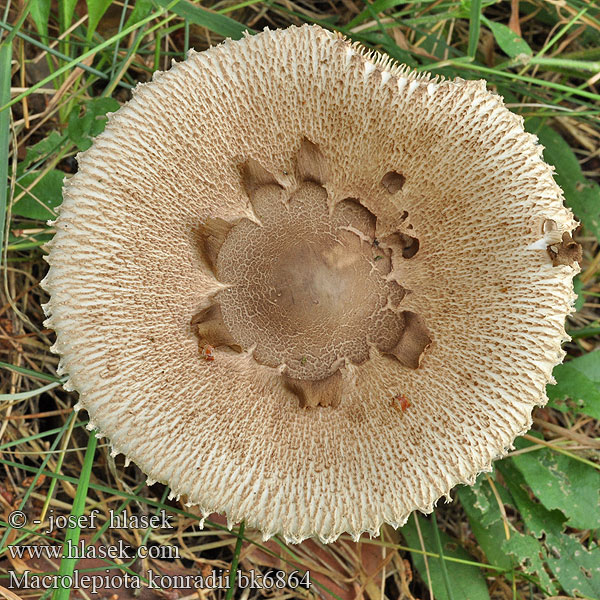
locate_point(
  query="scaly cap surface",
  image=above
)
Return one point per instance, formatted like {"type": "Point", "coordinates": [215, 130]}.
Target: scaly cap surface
{"type": "Point", "coordinates": [292, 168]}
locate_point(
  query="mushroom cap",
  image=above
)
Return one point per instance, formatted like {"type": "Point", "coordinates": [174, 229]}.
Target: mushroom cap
{"type": "Point", "coordinates": [442, 162]}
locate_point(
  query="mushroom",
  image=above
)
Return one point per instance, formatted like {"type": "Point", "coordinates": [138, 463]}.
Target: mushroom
{"type": "Point", "coordinates": [308, 287]}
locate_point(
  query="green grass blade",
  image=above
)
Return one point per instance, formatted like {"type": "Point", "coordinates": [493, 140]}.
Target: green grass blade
{"type": "Point", "coordinates": [49, 50]}
{"type": "Point", "coordinates": [235, 561]}
{"type": "Point", "coordinates": [117, 45]}
{"type": "Point", "coordinates": [474, 27]}
{"type": "Point", "coordinates": [66, 10]}
{"type": "Point", "coordinates": [30, 372]}
{"type": "Point", "coordinates": [5, 59]}
{"type": "Point", "coordinates": [461, 63]}
{"type": "Point", "coordinates": [38, 472]}
{"type": "Point", "coordinates": [57, 468]}
{"type": "Point", "coordinates": [584, 332]}
{"type": "Point", "coordinates": [567, 63]}
{"type": "Point", "coordinates": [67, 565]}
{"type": "Point", "coordinates": [42, 434]}
{"type": "Point", "coordinates": [91, 52]}
{"type": "Point", "coordinates": [225, 26]}
{"type": "Point", "coordinates": [443, 568]}
{"type": "Point", "coordinates": [30, 393]}
{"type": "Point", "coordinates": [9, 38]}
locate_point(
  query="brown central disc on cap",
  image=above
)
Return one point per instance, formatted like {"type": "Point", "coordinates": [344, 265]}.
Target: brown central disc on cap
{"type": "Point", "coordinates": [309, 290]}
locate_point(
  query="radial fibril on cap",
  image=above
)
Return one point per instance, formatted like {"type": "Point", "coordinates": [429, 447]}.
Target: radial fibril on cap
{"type": "Point", "coordinates": [279, 237]}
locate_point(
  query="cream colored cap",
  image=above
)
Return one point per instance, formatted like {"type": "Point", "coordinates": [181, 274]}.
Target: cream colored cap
{"type": "Point", "coordinates": [307, 287]}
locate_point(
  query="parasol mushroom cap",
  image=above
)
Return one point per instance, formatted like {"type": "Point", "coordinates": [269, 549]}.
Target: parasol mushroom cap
{"type": "Point", "coordinates": [309, 288]}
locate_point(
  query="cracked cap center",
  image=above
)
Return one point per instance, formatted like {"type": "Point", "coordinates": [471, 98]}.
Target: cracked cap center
{"type": "Point", "coordinates": [307, 286]}
{"type": "Point", "coordinates": [309, 290]}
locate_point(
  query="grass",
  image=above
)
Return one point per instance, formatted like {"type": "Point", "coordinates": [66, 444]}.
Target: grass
{"type": "Point", "coordinates": [62, 67]}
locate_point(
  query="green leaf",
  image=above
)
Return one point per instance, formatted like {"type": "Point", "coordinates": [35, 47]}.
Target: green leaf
{"type": "Point", "coordinates": [140, 11]}
{"type": "Point", "coordinates": [562, 483]}
{"type": "Point", "coordinates": [530, 554]}
{"type": "Point", "coordinates": [40, 13]}
{"type": "Point", "coordinates": [96, 10]}
{"type": "Point", "coordinates": [66, 9]}
{"type": "Point", "coordinates": [526, 549]}
{"type": "Point", "coordinates": [67, 564]}
{"type": "Point", "coordinates": [29, 372]}
{"type": "Point", "coordinates": [510, 43]}
{"type": "Point", "coordinates": [466, 581]}
{"type": "Point", "coordinates": [42, 149]}
{"type": "Point", "coordinates": [100, 106]}
{"type": "Point", "coordinates": [220, 24]}
{"type": "Point", "coordinates": [576, 568]}
{"type": "Point", "coordinates": [376, 7]}
{"type": "Point", "coordinates": [579, 380]}
{"type": "Point", "coordinates": [41, 202]}
{"type": "Point", "coordinates": [485, 519]}
{"type": "Point", "coordinates": [78, 129]}
{"type": "Point", "coordinates": [581, 194]}
{"type": "Point", "coordinates": [82, 128]}
{"type": "Point", "coordinates": [538, 519]}
{"type": "Point", "coordinates": [474, 27]}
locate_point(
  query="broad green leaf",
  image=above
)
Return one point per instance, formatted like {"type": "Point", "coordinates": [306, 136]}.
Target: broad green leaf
{"type": "Point", "coordinates": [576, 567]}
{"type": "Point", "coordinates": [140, 11]}
{"type": "Point", "coordinates": [538, 519]}
{"type": "Point", "coordinates": [581, 194]}
{"type": "Point", "coordinates": [100, 106]}
{"type": "Point", "coordinates": [562, 483]}
{"type": "Point", "coordinates": [41, 202]}
{"type": "Point", "coordinates": [40, 13]}
{"type": "Point", "coordinates": [79, 129]}
{"type": "Point", "coordinates": [526, 549]}
{"type": "Point", "coordinates": [530, 554]}
{"type": "Point", "coordinates": [82, 128]}
{"type": "Point", "coordinates": [466, 581]}
{"type": "Point", "coordinates": [42, 149]}
{"type": "Point", "coordinates": [225, 26]}
{"type": "Point", "coordinates": [510, 43]}
{"type": "Point", "coordinates": [96, 10]}
{"type": "Point", "coordinates": [579, 380]}
{"type": "Point", "coordinates": [485, 519]}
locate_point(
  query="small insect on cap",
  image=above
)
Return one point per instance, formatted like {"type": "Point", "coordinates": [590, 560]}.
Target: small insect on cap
{"type": "Point", "coordinates": [278, 237]}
